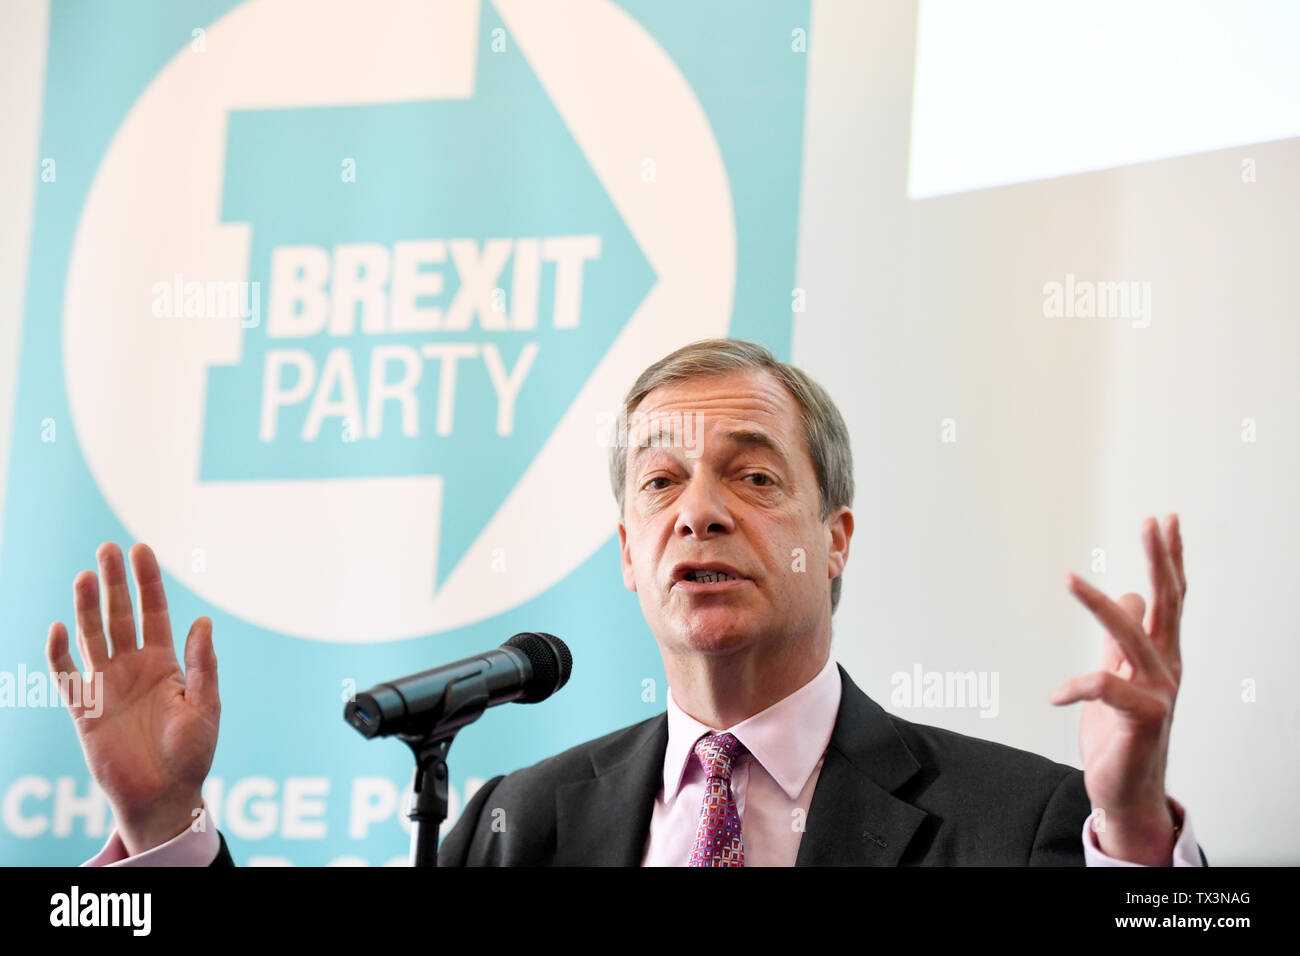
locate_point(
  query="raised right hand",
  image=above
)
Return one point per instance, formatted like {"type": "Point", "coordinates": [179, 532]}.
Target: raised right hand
{"type": "Point", "coordinates": [151, 745]}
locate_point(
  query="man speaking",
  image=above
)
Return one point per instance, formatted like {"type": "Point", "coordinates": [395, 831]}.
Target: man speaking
{"type": "Point", "coordinates": [768, 754]}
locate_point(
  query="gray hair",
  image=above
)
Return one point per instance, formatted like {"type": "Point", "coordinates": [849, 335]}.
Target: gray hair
{"type": "Point", "coordinates": [824, 430]}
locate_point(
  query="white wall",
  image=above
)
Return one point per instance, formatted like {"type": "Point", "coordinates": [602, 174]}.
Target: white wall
{"type": "Point", "coordinates": [1069, 431]}
{"type": "Point", "coordinates": [23, 28]}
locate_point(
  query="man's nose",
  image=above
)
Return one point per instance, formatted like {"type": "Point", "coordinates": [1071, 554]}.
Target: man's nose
{"type": "Point", "coordinates": [702, 509]}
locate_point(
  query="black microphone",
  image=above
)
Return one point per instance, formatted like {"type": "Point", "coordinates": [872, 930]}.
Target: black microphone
{"type": "Point", "coordinates": [528, 668]}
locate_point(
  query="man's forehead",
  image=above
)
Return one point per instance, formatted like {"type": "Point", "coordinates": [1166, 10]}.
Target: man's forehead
{"type": "Point", "coordinates": [753, 396]}
{"type": "Point", "coordinates": [742, 409]}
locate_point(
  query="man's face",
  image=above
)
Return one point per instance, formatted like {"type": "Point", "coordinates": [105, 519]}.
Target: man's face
{"type": "Point", "coordinates": [745, 498]}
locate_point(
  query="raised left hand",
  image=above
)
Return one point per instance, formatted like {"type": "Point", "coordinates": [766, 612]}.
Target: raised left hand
{"type": "Point", "coordinates": [1129, 709]}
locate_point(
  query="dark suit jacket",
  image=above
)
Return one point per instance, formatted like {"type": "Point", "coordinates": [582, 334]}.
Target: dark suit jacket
{"type": "Point", "coordinates": [890, 792]}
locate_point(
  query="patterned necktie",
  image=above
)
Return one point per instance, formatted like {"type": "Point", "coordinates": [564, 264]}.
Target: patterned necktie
{"type": "Point", "coordinates": [717, 840]}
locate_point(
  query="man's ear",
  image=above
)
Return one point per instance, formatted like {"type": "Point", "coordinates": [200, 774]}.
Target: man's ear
{"type": "Point", "coordinates": [840, 529]}
{"type": "Point", "coordinates": [629, 577]}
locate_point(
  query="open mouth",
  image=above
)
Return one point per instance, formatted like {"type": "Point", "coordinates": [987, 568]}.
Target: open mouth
{"type": "Point", "coordinates": [708, 577]}
{"type": "Point", "coordinates": [704, 577]}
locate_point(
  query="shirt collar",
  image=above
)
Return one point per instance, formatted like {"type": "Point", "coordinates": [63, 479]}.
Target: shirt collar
{"type": "Point", "coordinates": [788, 738]}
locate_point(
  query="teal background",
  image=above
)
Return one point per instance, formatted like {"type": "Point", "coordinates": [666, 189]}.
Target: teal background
{"type": "Point", "coordinates": [281, 695]}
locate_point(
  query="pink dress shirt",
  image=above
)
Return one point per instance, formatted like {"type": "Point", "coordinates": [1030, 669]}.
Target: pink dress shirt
{"type": "Point", "coordinates": [786, 744]}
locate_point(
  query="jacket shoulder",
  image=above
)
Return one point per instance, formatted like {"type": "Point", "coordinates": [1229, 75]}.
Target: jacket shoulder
{"type": "Point", "coordinates": [974, 757]}
{"type": "Point", "coordinates": [993, 803]}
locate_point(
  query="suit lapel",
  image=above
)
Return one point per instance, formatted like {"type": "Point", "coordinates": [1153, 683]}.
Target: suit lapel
{"type": "Point", "coordinates": [854, 818]}
{"type": "Point", "coordinates": [605, 821]}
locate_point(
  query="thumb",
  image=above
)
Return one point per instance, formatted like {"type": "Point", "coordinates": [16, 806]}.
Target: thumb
{"type": "Point", "coordinates": [62, 669]}
{"type": "Point", "coordinates": [201, 666]}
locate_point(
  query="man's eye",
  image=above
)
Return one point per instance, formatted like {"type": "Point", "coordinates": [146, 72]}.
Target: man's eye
{"type": "Point", "coordinates": [650, 484]}
{"type": "Point", "coordinates": [764, 479]}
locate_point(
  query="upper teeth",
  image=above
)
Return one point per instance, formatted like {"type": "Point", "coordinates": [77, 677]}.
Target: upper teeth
{"type": "Point", "coordinates": [708, 577]}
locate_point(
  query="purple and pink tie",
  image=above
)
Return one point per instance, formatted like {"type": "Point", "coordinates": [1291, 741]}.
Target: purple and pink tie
{"type": "Point", "coordinates": [717, 840]}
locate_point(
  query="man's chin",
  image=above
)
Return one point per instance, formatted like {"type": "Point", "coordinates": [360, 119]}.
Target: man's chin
{"type": "Point", "coordinates": [716, 631]}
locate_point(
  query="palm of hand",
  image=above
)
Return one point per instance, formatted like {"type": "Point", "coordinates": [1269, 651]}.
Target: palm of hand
{"type": "Point", "coordinates": [171, 739]}
{"type": "Point", "coordinates": [1117, 750]}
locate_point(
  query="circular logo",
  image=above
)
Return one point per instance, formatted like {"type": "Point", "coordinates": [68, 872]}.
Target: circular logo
{"type": "Point", "coordinates": [353, 557]}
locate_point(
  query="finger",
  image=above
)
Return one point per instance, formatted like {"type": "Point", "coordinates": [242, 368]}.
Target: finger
{"type": "Point", "coordinates": [121, 616]}
{"type": "Point", "coordinates": [1110, 689]}
{"type": "Point", "coordinates": [1117, 622]}
{"type": "Point", "coordinates": [1174, 535]}
{"type": "Point", "coordinates": [1112, 657]}
{"type": "Point", "coordinates": [1174, 541]}
{"type": "Point", "coordinates": [201, 667]}
{"type": "Point", "coordinates": [90, 623]}
{"type": "Point", "coordinates": [64, 671]}
{"type": "Point", "coordinates": [154, 622]}
{"type": "Point", "coordinates": [1166, 598]}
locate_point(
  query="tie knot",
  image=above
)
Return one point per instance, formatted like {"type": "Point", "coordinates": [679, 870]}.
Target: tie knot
{"type": "Point", "coordinates": [716, 753]}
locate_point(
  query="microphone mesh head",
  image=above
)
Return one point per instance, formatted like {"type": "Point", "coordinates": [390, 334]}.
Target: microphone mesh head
{"type": "Point", "coordinates": [551, 660]}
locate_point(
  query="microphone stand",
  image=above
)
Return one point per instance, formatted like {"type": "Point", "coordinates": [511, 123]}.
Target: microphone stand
{"type": "Point", "coordinates": [463, 703]}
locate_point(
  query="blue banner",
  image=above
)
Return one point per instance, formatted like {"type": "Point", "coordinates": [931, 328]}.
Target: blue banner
{"type": "Point", "coordinates": [327, 303]}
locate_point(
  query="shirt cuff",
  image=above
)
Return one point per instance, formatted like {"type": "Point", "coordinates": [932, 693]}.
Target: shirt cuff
{"type": "Point", "coordinates": [198, 845]}
{"type": "Point", "coordinates": [1186, 852]}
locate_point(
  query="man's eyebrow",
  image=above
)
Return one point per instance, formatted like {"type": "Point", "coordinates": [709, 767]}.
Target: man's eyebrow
{"type": "Point", "coordinates": [755, 439]}
{"type": "Point", "coordinates": [748, 437]}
